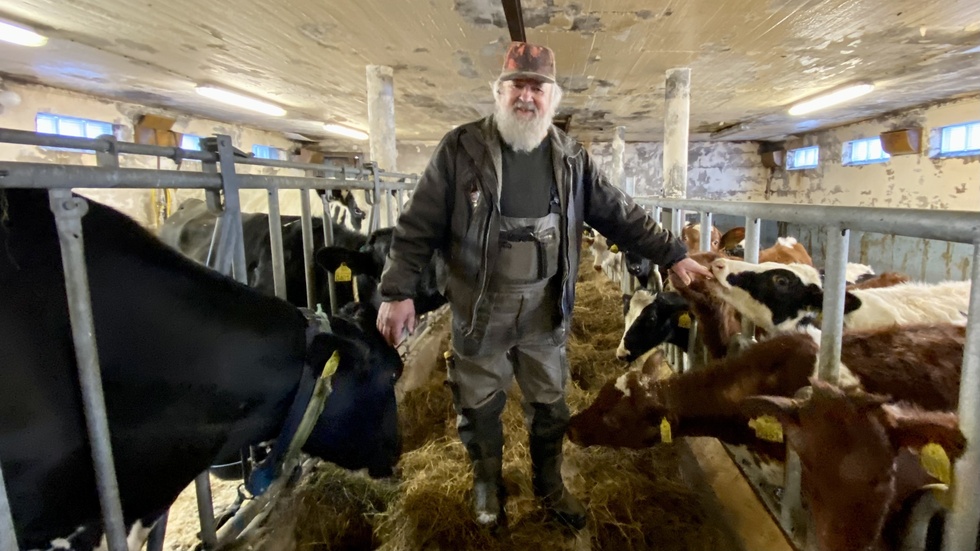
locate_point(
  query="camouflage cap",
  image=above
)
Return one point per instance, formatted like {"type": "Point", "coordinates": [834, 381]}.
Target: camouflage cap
{"type": "Point", "coordinates": [525, 60]}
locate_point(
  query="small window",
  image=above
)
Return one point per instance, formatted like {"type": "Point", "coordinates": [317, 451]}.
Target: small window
{"type": "Point", "coordinates": [46, 123]}
{"type": "Point", "coordinates": [959, 140]}
{"type": "Point", "coordinates": [268, 152]}
{"type": "Point", "coordinates": [804, 157]}
{"type": "Point", "coordinates": [864, 152]}
{"type": "Point", "coordinates": [190, 142]}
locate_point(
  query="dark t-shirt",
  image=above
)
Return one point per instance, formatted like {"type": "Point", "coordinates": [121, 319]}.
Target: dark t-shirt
{"type": "Point", "coordinates": [527, 181]}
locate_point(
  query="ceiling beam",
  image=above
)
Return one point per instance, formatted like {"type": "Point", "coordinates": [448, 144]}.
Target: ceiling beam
{"type": "Point", "coordinates": [515, 19]}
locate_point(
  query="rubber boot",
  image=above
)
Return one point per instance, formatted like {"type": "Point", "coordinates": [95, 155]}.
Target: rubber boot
{"type": "Point", "coordinates": [547, 433]}
{"type": "Point", "coordinates": [482, 433]}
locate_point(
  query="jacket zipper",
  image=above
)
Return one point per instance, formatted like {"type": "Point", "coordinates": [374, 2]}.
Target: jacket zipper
{"type": "Point", "coordinates": [568, 241]}
{"type": "Point", "coordinates": [483, 280]}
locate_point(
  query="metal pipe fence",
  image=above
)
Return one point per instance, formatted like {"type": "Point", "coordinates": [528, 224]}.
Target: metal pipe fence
{"type": "Point", "coordinates": [837, 221]}
{"type": "Point", "coordinates": [221, 182]}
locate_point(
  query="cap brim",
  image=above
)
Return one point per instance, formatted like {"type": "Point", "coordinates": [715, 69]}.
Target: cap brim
{"type": "Point", "coordinates": [528, 75]}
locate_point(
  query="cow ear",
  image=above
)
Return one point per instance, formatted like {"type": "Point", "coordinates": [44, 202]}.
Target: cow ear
{"type": "Point", "coordinates": [914, 428]}
{"type": "Point", "coordinates": [626, 303]}
{"type": "Point", "coordinates": [731, 238]}
{"type": "Point", "coordinates": [851, 302]}
{"type": "Point", "coordinates": [330, 259]}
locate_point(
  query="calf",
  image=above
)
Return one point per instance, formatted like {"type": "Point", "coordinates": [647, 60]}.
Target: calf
{"type": "Point", "coordinates": [194, 365]}
{"type": "Point", "coordinates": [779, 297]}
{"type": "Point", "coordinates": [859, 468]}
{"type": "Point", "coordinates": [369, 261]}
{"type": "Point", "coordinates": [652, 319]}
{"type": "Point", "coordinates": [691, 235]}
{"type": "Point", "coordinates": [920, 364]}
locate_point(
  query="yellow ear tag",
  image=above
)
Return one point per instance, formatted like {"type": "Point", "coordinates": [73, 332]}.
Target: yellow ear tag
{"type": "Point", "coordinates": [331, 366]}
{"type": "Point", "coordinates": [665, 436]}
{"type": "Point", "coordinates": [614, 249]}
{"type": "Point", "coordinates": [684, 321]}
{"type": "Point", "coordinates": [767, 427]}
{"type": "Point", "coordinates": [342, 274]}
{"type": "Point", "coordinates": [935, 462]}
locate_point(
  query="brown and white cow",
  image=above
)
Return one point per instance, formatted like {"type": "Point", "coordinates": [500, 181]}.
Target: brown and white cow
{"type": "Point", "coordinates": [920, 364]}
{"type": "Point", "coordinates": [779, 297]}
{"type": "Point", "coordinates": [861, 471]}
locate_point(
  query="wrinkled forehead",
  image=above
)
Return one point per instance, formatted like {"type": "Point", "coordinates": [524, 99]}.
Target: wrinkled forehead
{"type": "Point", "coordinates": [806, 274]}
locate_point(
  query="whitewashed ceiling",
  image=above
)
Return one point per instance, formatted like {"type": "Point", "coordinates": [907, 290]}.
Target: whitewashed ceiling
{"type": "Point", "coordinates": [750, 59]}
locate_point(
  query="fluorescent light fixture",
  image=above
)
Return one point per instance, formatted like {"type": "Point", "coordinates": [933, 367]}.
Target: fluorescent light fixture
{"type": "Point", "coordinates": [238, 100]}
{"type": "Point", "coordinates": [831, 98]}
{"type": "Point", "coordinates": [21, 35]}
{"type": "Point", "coordinates": [346, 132]}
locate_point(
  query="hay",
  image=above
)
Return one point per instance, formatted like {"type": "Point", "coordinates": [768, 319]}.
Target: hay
{"type": "Point", "coordinates": [637, 500]}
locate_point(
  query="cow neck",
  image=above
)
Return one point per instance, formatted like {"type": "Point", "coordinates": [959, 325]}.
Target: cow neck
{"type": "Point", "coordinates": [308, 403]}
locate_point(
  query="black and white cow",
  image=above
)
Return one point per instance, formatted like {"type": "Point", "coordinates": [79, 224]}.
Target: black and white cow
{"type": "Point", "coordinates": [346, 197]}
{"type": "Point", "coordinates": [653, 319]}
{"type": "Point", "coordinates": [190, 231]}
{"type": "Point", "coordinates": [369, 261]}
{"type": "Point", "coordinates": [779, 297]}
{"type": "Point", "coordinates": [195, 366]}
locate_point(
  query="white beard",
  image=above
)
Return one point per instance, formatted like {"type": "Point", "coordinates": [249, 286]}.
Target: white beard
{"type": "Point", "coordinates": [519, 133]}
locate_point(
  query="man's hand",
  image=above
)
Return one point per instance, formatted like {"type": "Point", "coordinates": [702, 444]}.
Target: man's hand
{"type": "Point", "coordinates": [394, 318]}
{"type": "Point", "coordinates": [685, 269]}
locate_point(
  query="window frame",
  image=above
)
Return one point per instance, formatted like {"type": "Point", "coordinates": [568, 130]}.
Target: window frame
{"type": "Point", "coordinates": [792, 154]}
{"type": "Point", "coordinates": [971, 131]}
{"type": "Point", "coordinates": [847, 152]}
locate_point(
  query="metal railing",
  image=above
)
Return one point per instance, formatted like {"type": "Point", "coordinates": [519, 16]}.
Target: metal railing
{"type": "Point", "coordinates": [837, 222]}
{"type": "Point", "coordinates": [221, 182]}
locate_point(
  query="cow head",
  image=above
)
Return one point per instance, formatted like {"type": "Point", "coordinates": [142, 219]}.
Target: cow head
{"type": "Point", "coordinates": [652, 319]}
{"type": "Point", "coordinates": [639, 267]}
{"type": "Point", "coordinates": [346, 196]}
{"type": "Point", "coordinates": [774, 296]}
{"type": "Point", "coordinates": [363, 395]}
{"type": "Point", "coordinates": [625, 414]}
{"type": "Point", "coordinates": [691, 235]}
{"type": "Point", "coordinates": [854, 451]}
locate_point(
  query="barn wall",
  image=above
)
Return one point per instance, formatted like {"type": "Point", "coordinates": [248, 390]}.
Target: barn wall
{"type": "Point", "coordinates": [907, 181]}
{"type": "Point", "coordinates": [716, 170]}
{"type": "Point", "coordinates": [135, 203]}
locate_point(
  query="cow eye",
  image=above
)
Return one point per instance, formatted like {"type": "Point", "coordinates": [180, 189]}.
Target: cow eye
{"type": "Point", "coordinates": [780, 280]}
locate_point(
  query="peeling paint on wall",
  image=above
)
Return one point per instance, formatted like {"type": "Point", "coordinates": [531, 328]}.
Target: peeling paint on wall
{"type": "Point", "coordinates": [906, 181]}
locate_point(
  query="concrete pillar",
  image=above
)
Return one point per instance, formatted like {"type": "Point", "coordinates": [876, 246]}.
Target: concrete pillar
{"type": "Point", "coordinates": [381, 116]}
{"type": "Point", "coordinates": [381, 123]}
{"type": "Point", "coordinates": [677, 115]}
{"type": "Point", "coordinates": [618, 155]}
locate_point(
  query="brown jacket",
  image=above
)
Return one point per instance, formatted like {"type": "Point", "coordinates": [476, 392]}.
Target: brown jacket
{"type": "Point", "coordinates": [455, 211]}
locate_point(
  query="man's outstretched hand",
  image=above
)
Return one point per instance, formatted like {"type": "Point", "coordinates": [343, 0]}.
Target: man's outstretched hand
{"type": "Point", "coordinates": [684, 271]}
{"type": "Point", "coordinates": [394, 318]}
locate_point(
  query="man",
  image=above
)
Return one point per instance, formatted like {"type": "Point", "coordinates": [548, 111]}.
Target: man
{"type": "Point", "coordinates": [503, 200]}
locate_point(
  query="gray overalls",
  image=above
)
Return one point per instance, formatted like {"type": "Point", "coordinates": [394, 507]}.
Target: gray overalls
{"type": "Point", "coordinates": [517, 330]}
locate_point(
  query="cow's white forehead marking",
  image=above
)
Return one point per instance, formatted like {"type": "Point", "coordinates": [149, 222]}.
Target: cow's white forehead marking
{"type": "Point", "coordinates": [641, 299]}
{"type": "Point", "coordinates": [786, 241]}
{"type": "Point", "coordinates": [722, 267]}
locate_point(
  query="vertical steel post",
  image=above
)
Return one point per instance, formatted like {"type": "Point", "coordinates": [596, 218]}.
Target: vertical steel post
{"type": "Point", "coordinates": [834, 288]}
{"type": "Point", "coordinates": [205, 510]}
{"type": "Point", "coordinates": [962, 521]}
{"type": "Point", "coordinates": [753, 231]}
{"type": "Point", "coordinates": [707, 222]}
{"type": "Point", "coordinates": [68, 212]}
{"type": "Point", "coordinates": [308, 258]}
{"type": "Point", "coordinates": [8, 537]}
{"type": "Point", "coordinates": [231, 243]}
{"type": "Point", "coordinates": [154, 542]}
{"type": "Point", "coordinates": [327, 242]}
{"type": "Point", "coordinates": [275, 239]}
